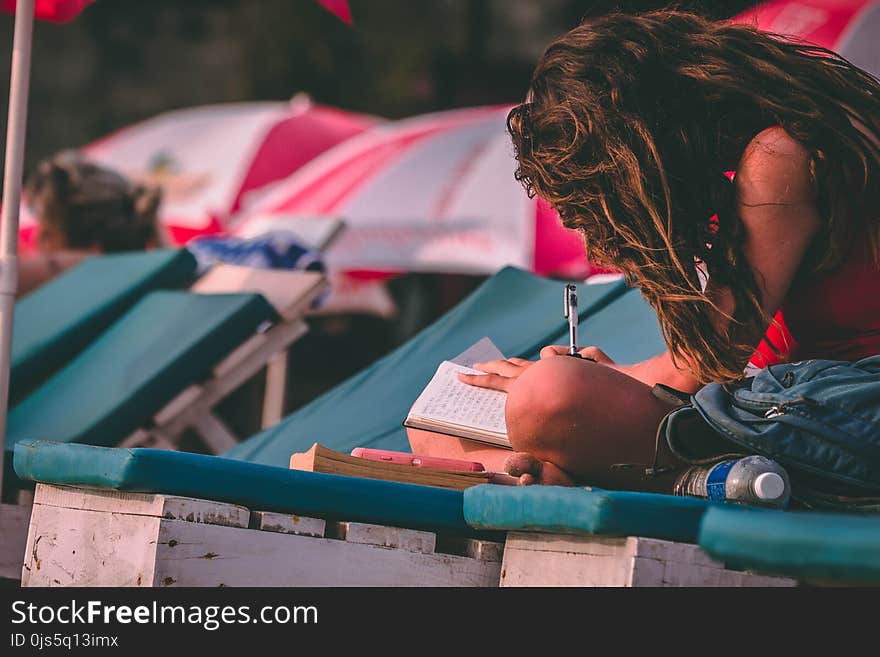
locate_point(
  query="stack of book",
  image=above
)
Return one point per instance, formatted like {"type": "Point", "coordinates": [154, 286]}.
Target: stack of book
{"type": "Point", "coordinates": [417, 471]}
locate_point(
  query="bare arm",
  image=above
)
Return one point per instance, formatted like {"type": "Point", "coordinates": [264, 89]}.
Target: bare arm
{"type": "Point", "coordinates": [776, 202]}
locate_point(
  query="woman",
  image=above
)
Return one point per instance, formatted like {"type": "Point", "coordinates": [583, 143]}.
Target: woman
{"type": "Point", "coordinates": [632, 130]}
{"type": "Point", "coordinates": [83, 209]}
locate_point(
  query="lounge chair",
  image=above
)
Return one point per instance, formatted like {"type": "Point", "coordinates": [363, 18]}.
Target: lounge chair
{"type": "Point", "coordinates": [159, 370]}
{"type": "Point", "coordinates": [166, 362]}
{"type": "Point", "coordinates": [59, 319]}
{"type": "Point", "coordinates": [56, 321]}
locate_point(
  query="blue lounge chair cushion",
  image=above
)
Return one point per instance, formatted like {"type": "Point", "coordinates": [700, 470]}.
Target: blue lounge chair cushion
{"type": "Point", "coordinates": [167, 341]}
{"type": "Point", "coordinates": [258, 487]}
{"type": "Point", "coordinates": [519, 311]}
{"type": "Point", "coordinates": [56, 321]}
{"type": "Point", "coordinates": [801, 544]}
{"type": "Point", "coordinates": [559, 509]}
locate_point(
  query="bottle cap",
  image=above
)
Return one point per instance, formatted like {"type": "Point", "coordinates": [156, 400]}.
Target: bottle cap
{"type": "Point", "coordinates": [769, 486]}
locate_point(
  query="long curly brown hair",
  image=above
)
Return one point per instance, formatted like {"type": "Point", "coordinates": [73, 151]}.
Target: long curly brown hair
{"type": "Point", "coordinates": [628, 128]}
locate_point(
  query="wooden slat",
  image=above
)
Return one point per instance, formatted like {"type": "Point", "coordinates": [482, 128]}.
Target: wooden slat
{"type": "Point", "coordinates": [138, 438]}
{"type": "Point", "coordinates": [289, 292]}
{"type": "Point", "coordinates": [653, 548]}
{"type": "Point", "coordinates": [214, 432]}
{"type": "Point", "coordinates": [79, 547]}
{"type": "Point", "coordinates": [575, 544]}
{"type": "Point", "coordinates": [536, 567]}
{"type": "Point", "coordinates": [143, 504]}
{"type": "Point", "coordinates": [653, 572]}
{"type": "Point", "coordinates": [471, 547]}
{"type": "Point", "coordinates": [14, 520]}
{"type": "Point", "coordinates": [178, 405]}
{"type": "Point", "coordinates": [389, 537]}
{"type": "Point", "coordinates": [239, 356]}
{"type": "Point", "coordinates": [276, 387]}
{"type": "Point", "coordinates": [204, 555]}
{"type": "Point", "coordinates": [570, 560]}
{"type": "Point", "coordinates": [269, 521]}
{"type": "Point", "coordinates": [152, 439]}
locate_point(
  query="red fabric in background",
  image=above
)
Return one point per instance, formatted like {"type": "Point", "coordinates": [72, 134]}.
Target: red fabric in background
{"type": "Point", "coordinates": [821, 22]}
{"type": "Point", "coordinates": [558, 250]}
{"type": "Point", "coordinates": [62, 11]}
{"type": "Point", "coordinates": [338, 8]}
{"type": "Point", "coordinates": [54, 11]}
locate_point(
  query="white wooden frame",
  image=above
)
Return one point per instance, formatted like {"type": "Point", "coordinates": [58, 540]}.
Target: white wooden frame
{"type": "Point", "coordinates": [90, 537]}
{"type": "Point", "coordinates": [541, 559]}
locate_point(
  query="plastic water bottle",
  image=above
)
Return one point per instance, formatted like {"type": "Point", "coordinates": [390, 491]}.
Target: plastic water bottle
{"type": "Point", "coordinates": [748, 480]}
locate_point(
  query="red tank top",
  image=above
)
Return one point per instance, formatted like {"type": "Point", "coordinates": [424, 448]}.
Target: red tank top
{"type": "Point", "coordinates": [833, 315]}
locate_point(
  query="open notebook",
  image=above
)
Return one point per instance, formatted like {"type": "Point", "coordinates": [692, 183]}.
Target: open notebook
{"type": "Point", "coordinates": [449, 406]}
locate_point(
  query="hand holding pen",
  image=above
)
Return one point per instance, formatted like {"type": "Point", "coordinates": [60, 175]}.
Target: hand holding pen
{"type": "Point", "coordinates": [500, 374]}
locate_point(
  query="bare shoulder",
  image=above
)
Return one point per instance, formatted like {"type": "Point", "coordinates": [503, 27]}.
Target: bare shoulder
{"type": "Point", "coordinates": [775, 169]}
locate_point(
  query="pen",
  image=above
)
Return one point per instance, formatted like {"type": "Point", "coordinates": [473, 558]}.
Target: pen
{"type": "Point", "coordinates": [570, 312]}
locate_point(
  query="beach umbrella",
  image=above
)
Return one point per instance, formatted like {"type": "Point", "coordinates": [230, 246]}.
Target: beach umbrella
{"type": "Point", "coordinates": [211, 160]}
{"type": "Point", "coordinates": [432, 193]}
{"type": "Point", "coordinates": [848, 27]}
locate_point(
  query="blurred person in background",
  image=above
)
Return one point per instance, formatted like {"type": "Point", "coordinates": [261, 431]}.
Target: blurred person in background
{"type": "Point", "coordinates": [84, 209]}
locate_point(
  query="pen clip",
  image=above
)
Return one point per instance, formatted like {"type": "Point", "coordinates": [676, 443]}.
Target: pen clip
{"type": "Point", "coordinates": [569, 301]}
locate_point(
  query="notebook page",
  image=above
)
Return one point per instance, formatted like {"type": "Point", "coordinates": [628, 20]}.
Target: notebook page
{"type": "Point", "coordinates": [480, 352]}
{"type": "Point", "coordinates": [448, 400]}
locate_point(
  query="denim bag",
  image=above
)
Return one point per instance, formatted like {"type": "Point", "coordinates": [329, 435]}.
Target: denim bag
{"type": "Point", "coordinates": [819, 419]}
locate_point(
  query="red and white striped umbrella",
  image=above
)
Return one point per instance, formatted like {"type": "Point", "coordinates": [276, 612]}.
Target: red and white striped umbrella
{"type": "Point", "coordinates": [432, 193]}
{"type": "Point", "coordinates": [211, 161]}
{"type": "Point", "coordinates": [849, 27]}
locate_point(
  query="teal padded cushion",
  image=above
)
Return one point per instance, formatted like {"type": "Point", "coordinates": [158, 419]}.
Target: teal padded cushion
{"type": "Point", "coordinates": [58, 319]}
{"type": "Point", "coordinates": [801, 544]}
{"type": "Point", "coordinates": [519, 311]}
{"type": "Point", "coordinates": [167, 341]}
{"type": "Point", "coordinates": [559, 509]}
{"type": "Point", "coordinates": [258, 487]}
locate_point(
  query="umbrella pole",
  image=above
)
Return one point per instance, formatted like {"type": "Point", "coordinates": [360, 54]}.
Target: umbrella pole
{"type": "Point", "coordinates": [14, 163]}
